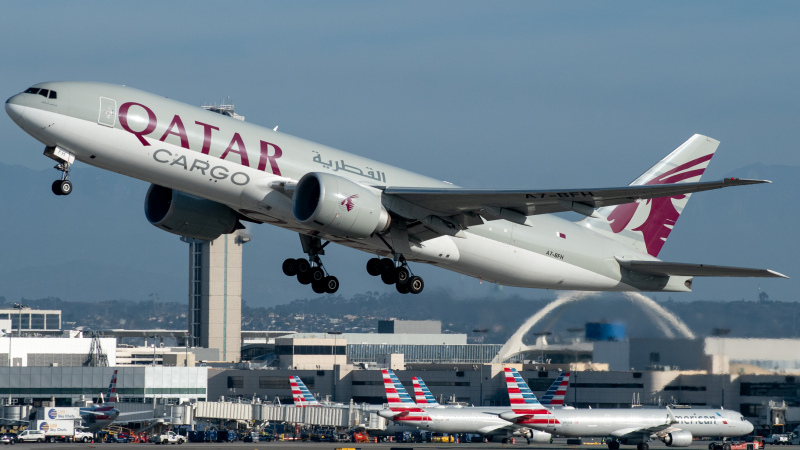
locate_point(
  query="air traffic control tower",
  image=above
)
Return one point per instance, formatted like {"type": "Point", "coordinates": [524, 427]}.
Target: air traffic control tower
{"type": "Point", "coordinates": [215, 285]}
{"type": "Point", "coordinates": [215, 294]}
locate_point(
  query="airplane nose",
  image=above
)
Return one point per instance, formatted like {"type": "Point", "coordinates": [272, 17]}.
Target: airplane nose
{"type": "Point", "coordinates": [14, 108]}
{"type": "Point", "coordinates": [749, 427]}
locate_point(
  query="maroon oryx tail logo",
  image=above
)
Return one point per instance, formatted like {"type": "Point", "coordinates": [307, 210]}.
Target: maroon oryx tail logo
{"type": "Point", "coordinates": [348, 202]}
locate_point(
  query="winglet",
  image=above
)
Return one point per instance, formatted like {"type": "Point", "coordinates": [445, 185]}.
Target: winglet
{"type": "Point", "coordinates": [672, 418]}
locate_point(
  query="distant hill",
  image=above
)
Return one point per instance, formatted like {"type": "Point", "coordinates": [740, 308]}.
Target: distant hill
{"type": "Point", "coordinates": [500, 318]}
{"type": "Point", "coordinates": [96, 245]}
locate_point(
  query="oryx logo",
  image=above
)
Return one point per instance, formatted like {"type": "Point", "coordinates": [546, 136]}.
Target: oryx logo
{"type": "Point", "coordinates": [52, 414]}
{"type": "Point", "coordinates": [44, 426]}
{"type": "Point", "coordinates": [348, 202]}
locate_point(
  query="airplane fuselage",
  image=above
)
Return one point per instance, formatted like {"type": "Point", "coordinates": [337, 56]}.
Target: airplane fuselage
{"type": "Point", "coordinates": [615, 422]}
{"type": "Point", "coordinates": [238, 164]}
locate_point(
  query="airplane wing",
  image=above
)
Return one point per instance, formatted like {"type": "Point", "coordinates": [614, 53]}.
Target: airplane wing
{"type": "Point", "coordinates": [447, 211]}
{"type": "Point", "coordinates": [531, 202]}
{"type": "Point", "coordinates": [695, 270]}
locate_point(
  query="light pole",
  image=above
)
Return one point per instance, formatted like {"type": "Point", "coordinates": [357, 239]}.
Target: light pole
{"type": "Point", "coordinates": [19, 307]}
{"type": "Point", "coordinates": [542, 334]}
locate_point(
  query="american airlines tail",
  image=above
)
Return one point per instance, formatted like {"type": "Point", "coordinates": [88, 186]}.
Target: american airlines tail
{"type": "Point", "coordinates": [555, 394]}
{"type": "Point", "coordinates": [399, 401]}
{"type": "Point", "coordinates": [523, 402]}
{"type": "Point", "coordinates": [300, 394]}
{"type": "Point", "coordinates": [423, 394]}
{"type": "Point", "coordinates": [112, 391]}
{"type": "Point", "coordinates": [645, 225]}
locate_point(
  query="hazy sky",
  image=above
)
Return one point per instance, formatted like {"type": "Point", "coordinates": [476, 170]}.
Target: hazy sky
{"type": "Point", "coordinates": [483, 94]}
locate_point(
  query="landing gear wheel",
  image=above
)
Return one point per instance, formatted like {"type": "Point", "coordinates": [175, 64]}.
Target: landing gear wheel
{"type": "Point", "coordinates": [613, 445]}
{"type": "Point", "coordinates": [374, 267]}
{"type": "Point", "coordinates": [56, 187]}
{"type": "Point", "coordinates": [401, 275]}
{"type": "Point", "coordinates": [726, 446]}
{"type": "Point", "coordinates": [402, 288]}
{"type": "Point", "coordinates": [388, 277]}
{"type": "Point", "coordinates": [331, 284]}
{"type": "Point", "coordinates": [65, 187]}
{"type": "Point", "coordinates": [290, 267]}
{"type": "Point", "coordinates": [416, 285]}
{"type": "Point", "coordinates": [386, 265]}
{"type": "Point", "coordinates": [304, 277]}
{"type": "Point", "coordinates": [505, 441]}
{"type": "Point", "coordinates": [642, 446]}
{"type": "Point", "coordinates": [317, 275]}
{"type": "Point", "coordinates": [318, 286]}
{"type": "Point", "coordinates": [303, 265]}
{"type": "Point", "coordinates": [529, 441]}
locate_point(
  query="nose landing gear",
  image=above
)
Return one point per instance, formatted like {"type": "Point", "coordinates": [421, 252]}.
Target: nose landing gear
{"type": "Point", "coordinates": [311, 271]}
{"type": "Point", "coordinates": [62, 186]}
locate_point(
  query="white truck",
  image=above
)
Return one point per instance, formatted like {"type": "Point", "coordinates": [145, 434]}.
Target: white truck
{"type": "Point", "coordinates": [52, 431]}
{"type": "Point", "coordinates": [778, 439]}
{"type": "Point", "coordinates": [170, 437]}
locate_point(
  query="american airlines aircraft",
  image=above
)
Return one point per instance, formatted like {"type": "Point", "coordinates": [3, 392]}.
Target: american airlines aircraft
{"type": "Point", "coordinates": [638, 426]}
{"type": "Point", "coordinates": [210, 172]}
{"type": "Point", "coordinates": [554, 396]}
{"type": "Point", "coordinates": [300, 394]}
{"type": "Point", "coordinates": [441, 419]}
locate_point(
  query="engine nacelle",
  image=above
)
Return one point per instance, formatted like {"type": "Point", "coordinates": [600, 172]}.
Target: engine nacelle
{"type": "Point", "coordinates": [338, 206]}
{"type": "Point", "coordinates": [681, 438]}
{"type": "Point", "coordinates": [539, 436]}
{"type": "Point", "coordinates": [187, 215]}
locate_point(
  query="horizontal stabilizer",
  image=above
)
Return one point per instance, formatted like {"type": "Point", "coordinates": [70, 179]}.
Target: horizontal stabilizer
{"type": "Point", "coordinates": [695, 270]}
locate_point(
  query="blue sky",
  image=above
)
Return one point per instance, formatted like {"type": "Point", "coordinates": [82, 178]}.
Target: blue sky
{"type": "Point", "coordinates": [482, 94]}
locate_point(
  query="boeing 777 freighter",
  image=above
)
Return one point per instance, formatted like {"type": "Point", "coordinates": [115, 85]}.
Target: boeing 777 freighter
{"type": "Point", "coordinates": [210, 172]}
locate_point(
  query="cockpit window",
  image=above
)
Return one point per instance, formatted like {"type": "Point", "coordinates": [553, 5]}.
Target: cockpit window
{"type": "Point", "coordinates": [46, 93]}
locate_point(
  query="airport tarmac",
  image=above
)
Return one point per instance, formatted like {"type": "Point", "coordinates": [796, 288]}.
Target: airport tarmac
{"type": "Point", "coordinates": [520, 444]}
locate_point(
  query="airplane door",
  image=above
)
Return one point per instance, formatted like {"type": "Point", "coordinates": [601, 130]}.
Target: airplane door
{"type": "Point", "coordinates": [108, 112]}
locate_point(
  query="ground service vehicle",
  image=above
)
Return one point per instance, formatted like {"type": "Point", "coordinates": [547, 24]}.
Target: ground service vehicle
{"type": "Point", "coordinates": [31, 436]}
{"type": "Point", "coordinates": [169, 437]}
{"type": "Point", "coordinates": [8, 439]}
{"type": "Point", "coordinates": [778, 439]}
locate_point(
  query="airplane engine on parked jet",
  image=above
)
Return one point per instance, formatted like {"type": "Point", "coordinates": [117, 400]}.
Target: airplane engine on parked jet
{"type": "Point", "coordinates": [336, 205]}
{"type": "Point", "coordinates": [187, 215]}
{"type": "Point", "coordinates": [539, 436]}
{"type": "Point", "coordinates": [678, 439]}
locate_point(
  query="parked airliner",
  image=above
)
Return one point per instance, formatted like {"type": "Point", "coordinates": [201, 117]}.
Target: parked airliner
{"type": "Point", "coordinates": [676, 428]}
{"type": "Point", "coordinates": [210, 172]}
{"type": "Point", "coordinates": [482, 420]}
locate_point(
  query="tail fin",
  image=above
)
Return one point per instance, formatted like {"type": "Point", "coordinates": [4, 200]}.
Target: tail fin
{"type": "Point", "coordinates": [300, 394]}
{"type": "Point", "coordinates": [523, 401]}
{"type": "Point", "coordinates": [423, 394]}
{"type": "Point", "coordinates": [112, 390]}
{"type": "Point", "coordinates": [555, 394]}
{"type": "Point", "coordinates": [646, 226]}
{"type": "Point", "coordinates": [396, 394]}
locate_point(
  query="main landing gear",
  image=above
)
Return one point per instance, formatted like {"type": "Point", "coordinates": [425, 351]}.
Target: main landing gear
{"type": "Point", "coordinates": [311, 271]}
{"type": "Point", "coordinates": [397, 273]}
{"type": "Point", "coordinates": [62, 186]}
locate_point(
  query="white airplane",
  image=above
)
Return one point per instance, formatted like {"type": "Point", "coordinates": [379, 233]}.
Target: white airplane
{"type": "Point", "coordinates": [210, 172]}
{"type": "Point", "coordinates": [437, 418]}
{"type": "Point", "coordinates": [622, 426]}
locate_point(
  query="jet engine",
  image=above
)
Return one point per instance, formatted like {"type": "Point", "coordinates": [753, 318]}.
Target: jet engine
{"type": "Point", "coordinates": [338, 206]}
{"type": "Point", "coordinates": [680, 438]}
{"type": "Point", "coordinates": [187, 215]}
{"type": "Point", "coordinates": [538, 436]}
